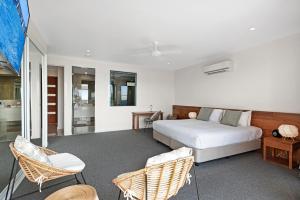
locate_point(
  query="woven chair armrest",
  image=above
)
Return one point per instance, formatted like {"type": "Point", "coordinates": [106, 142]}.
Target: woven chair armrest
{"type": "Point", "coordinates": [133, 183]}
{"type": "Point", "coordinates": [43, 167]}
{"type": "Point", "coordinates": [129, 175]}
{"type": "Point", "coordinates": [47, 151]}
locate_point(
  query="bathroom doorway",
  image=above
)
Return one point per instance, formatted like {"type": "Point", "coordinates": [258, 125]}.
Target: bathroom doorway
{"type": "Point", "coordinates": [83, 100]}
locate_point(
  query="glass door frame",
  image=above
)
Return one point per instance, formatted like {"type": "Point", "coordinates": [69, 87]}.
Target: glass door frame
{"type": "Point", "coordinates": [25, 96]}
{"type": "Point", "coordinates": [25, 104]}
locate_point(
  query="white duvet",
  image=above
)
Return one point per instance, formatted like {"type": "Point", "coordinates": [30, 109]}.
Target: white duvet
{"type": "Point", "coordinates": [202, 134]}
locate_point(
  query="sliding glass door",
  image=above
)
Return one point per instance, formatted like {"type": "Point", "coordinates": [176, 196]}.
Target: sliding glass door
{"type": "Point", "coordinates": [83, 100]}
{"type": "Point", "coordinates": [35, 78]}
{"type": "Point", "coordinates": [10, 105]}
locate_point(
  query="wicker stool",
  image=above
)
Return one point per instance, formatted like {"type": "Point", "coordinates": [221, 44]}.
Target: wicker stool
{"type": "Point", "coordinates": [75, 192]}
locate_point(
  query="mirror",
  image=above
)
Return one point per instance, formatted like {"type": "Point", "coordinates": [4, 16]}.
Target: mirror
{"type": "Point", "coordinates": [83, 100]}
{"type": "Point", "coordinates": [122, 88]}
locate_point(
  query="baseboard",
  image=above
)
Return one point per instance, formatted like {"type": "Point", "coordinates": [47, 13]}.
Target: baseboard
{"type": "Point", "coordinates": [19, 178]}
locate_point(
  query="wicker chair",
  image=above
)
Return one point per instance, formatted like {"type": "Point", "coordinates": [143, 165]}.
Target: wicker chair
{"type": "Point", "coordinates": [149, 120]}
{"type": "Point", "coordinates": [35, 171]}
{"type": "Point", "coordinates": [157, 182]}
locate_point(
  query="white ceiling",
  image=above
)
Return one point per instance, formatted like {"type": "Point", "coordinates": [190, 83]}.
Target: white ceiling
{"type": "Point", "coordinates": [203, 30]}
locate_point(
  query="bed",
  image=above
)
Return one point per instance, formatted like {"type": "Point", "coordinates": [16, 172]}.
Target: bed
{"type": "Point", "coordinates": [209, 140]}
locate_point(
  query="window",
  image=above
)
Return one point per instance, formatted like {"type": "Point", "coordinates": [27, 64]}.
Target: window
{"type": "Point", "coordinates": [84, 92]}
{"type": "Point", "coordinates": [122, 88]}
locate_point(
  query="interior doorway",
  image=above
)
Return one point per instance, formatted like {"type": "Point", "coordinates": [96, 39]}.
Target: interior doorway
{"type": "Point", "coordinates": [83, 100]}
{"type": "Point", "coordinates": [55, 100]}
{"type": "Point", "coordinates": [52, 105]}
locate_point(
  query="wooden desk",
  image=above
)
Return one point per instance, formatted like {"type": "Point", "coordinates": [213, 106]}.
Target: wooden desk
{"type": "Point", "coordinates": [136, 118]}
{"type": "Point", "coordinates": [290, 146]}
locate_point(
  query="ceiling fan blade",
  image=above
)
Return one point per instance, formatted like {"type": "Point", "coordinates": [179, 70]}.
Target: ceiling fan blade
{"type": "Point", "coordinates": [141, 51]}
{"type": "Point", "coordinates": [164, 47]}
{"type": "Point", "coordinates": [168, 52]}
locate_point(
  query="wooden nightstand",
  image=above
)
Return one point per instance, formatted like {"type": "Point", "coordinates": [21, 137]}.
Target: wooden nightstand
{"type": "Point", "coordinates": [275, 144]}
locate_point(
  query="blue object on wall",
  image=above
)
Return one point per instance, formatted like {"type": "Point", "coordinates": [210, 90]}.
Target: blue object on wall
{"type": "Point", "coordinates": [14, 17]}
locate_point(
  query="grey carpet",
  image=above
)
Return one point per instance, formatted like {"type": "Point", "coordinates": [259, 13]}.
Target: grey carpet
{"type": "Point", "coordinates": [5, 164]}
{"type": "Point", "coordinates": [107, 155]}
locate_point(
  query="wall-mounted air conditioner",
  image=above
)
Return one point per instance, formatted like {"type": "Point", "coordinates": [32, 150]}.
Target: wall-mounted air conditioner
{"type": "Point", "coordinates": [225, 66]}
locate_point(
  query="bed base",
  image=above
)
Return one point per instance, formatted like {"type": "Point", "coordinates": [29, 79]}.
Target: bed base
{"type": "Point", "coordinates": [203, 155]}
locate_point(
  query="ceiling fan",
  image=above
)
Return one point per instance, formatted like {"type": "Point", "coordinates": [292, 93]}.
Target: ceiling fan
{"type": "Point", "coordinates": [157, 50]}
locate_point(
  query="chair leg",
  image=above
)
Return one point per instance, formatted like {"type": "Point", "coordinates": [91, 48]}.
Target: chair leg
{"type": "Point", "coordinates": [119, 195]}
{"type": "Point", "coordinates": [146, 187]}
{"type": "Point", "coordinates": [78, 182]}
{"type": "Point", "coordinates": [196, 182]}
{"type": "Point", "coordinates": [10, 178]}
{"type": "Point", "coordinates": [13, 183]}
{"type": "Point", "coordinates": [83, 177]}
{"type": "Point", "coordinates": [150, 124]}
{"type": "Point", "coordinates": [44, 188]}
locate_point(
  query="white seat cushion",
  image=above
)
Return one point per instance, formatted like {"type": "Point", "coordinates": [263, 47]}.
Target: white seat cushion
{"type": "Point", "coordinates": [173, 155]}
{"type": "Point", "coordinates": [66, 161]}
{"type": "Point", "coordinates": [32, 151]}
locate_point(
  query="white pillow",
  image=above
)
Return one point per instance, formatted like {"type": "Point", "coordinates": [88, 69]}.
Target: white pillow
{"type": "Point", "coordinates": [173, 155]}
{"type": "Point", "coordinates": [245, 119]}
{"type": "Point", "coordinates": [30, 150]}
{"type": "Point", "coordinates": [216, 115]}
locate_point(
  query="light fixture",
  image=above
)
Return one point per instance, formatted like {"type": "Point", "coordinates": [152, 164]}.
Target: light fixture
{"type": "Point", "coordinates": [169, 63]}
{"type": "Point", "coordinates": [85, 73]}
{"type": "Point", "coordinates": [288, 131]}
{"type": "Point", "coordinates": [87, 53]}
{"type": "Point", "coordinates": [252, 29]}
{"type": "Point", "coordinates": [192, 115]}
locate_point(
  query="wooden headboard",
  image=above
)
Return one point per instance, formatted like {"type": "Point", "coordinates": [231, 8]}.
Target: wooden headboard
{"type": "Point", "coordinates": [267, 121]}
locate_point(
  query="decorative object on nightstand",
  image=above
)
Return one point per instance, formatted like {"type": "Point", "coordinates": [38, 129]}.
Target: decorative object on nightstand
{"type": "Point", "coordinates": [276, 133]}
{"type": "Point", "coordinates": [192, 115]}
{"type": "Point", "coordinates": [288, 131]}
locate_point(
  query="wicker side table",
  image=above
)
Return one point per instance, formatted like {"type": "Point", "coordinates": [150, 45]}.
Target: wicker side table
{"type": "Point", "coordinates": [75, 192]}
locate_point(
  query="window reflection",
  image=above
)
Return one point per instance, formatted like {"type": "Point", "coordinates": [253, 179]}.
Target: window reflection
{"type": "Point", "coordinates": [83, 100]}
{"type": "Point", "coordinates": [10, 105]}
{"type": "Point", "coordinates": [122, 88]}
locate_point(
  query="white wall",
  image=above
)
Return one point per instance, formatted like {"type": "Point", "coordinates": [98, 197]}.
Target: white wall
{"type": "Point", "coordinates": [60, 98]}
{"type": "Point", "coordinates": [36, 37]}
{"type": "Point", "coordinates": [155, 87]}
{"type": "Point", "coordinates": [265, 78]}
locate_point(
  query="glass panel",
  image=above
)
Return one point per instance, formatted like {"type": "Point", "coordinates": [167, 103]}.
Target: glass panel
{"type": "Point", "coordinates": [10, 117]}
{"type": "Point", "coordinates": [10, 105]}
{"type": "Point", "coordinates": [83, 100]}
{"type": "Point", "coordinates": [35, 66]}
{"type": "Point", "coordinates": [122, 88]}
